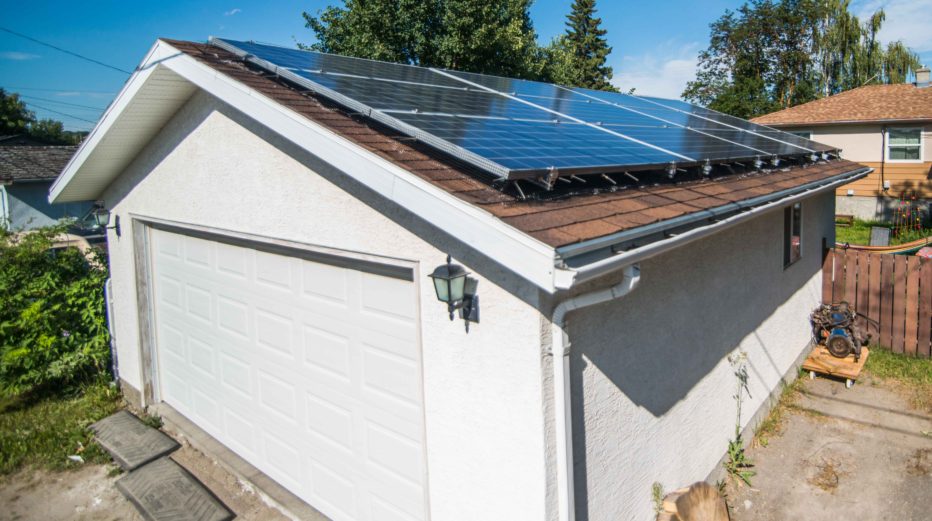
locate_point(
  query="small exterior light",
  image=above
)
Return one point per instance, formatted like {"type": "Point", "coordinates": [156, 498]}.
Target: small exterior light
{"type": "Point", "coordinates": [101, 216]}
{"type": "Point", "coordinates": [457, 290]}
{"type": "Point", "coordinates": [99, 219]}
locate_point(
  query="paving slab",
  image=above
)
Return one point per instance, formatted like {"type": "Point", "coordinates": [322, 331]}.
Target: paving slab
{"type": "Point", "coordinates": [130, 442]}
{"type": "Point", "coordinates": [164, 491]}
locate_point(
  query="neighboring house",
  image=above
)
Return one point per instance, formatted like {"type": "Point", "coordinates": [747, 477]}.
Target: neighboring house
{"type": "Point", "coordinates": [886, 127]}
{"type": "Point", "coordinates": [270, 282]}
{"type": "Point", "coordinates": [27, 170]}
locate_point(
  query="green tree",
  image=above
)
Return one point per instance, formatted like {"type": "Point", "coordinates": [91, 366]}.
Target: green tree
{"type": "Point", "coordinates": [486, 37]}
{"type": "Point", "coordinates": [14, 116]}
{"type": "Point", "coordinates": [773, 54]}
{"type": "Point", "coordinates": [53, 132]}
{"type": "Point", "coordinates": [579, 57]}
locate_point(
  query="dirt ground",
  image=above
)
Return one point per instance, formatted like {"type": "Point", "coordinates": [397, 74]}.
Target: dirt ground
{"type": "Point", "coordinates": [88, 494]}
{"type": "Point", "coordinates": [859, 453]}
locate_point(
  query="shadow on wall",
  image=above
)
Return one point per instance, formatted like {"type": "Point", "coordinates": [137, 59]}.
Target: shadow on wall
{"type": "Point", "coordinates": [693, 307]}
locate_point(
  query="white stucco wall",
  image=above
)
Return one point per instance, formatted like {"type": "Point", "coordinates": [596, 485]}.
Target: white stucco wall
{"type": "Point", "coordinates": [484, 428]}
{"type": "Point", "coordinates": [652, 387]}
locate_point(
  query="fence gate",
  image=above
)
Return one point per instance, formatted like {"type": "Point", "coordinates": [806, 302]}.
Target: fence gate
{"type": "Point", "coordinates": [894, 292]}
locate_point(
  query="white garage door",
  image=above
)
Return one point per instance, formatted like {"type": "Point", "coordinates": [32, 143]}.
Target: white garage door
{"type": "Point", "coordinates": [309, 371]}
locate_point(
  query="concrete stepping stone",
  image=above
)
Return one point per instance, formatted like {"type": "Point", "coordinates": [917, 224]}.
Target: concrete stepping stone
{"type": "Point", "coordinates": [163, 491]}
{"type": "Point", "coordinates": [131, 442]}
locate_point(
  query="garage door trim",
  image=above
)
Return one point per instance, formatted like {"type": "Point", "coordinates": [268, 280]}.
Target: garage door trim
{"type": "Point", "coordinates": [379, 265]}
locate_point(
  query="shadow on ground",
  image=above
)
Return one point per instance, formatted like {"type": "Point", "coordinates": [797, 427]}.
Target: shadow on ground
{"type": "Point", "coordinates": [859, 453]}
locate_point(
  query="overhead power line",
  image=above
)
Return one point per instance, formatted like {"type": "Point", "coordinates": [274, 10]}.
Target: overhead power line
{"type": "Point", "coordinates": [80, 91]}
{"type": "Point", "coordinates": [66, 51]}
{"type": "Point", "coordinates": [99, 109]}
{"type": "Point", "coordinates": [60, 113]}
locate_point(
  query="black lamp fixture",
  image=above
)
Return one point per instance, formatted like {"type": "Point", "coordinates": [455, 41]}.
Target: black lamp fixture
{"type": "Point", "coordinates": [457, 289]}
{"type": "Point", "coordinates": [99, 219]}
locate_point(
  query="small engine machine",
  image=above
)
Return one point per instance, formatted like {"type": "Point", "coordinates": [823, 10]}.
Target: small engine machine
{"type": "Point", "coordinates": [835, 326]}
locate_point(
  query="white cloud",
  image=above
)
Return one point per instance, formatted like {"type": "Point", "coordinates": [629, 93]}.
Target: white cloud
{"type": "Point", "coordinates": [18, 56]}
{"type": "Point", "coordinates": [233, 11]}
{"type": "Point", "coordinates": [907, 20]}
{"type": "Point", "coordinates": [662, 72]}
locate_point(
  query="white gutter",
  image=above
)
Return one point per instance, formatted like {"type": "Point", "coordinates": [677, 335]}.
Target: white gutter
{"type": "Point", "coordinates": [567, 278]}
{"type": "Point", "coordinates": [627, 261]}
{"type": "Point", "coordinates": [560, 346]}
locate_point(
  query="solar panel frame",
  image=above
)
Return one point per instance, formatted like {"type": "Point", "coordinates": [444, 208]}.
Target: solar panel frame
{"type": "Point", "coordinates": [521, 105]}
{"type": "Point", "coordinates": [361, 108]}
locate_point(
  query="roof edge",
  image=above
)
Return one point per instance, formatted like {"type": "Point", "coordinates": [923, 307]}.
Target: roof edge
{"type": "Point", "coordinates": [521, 253]}
{"type": "Point", "coordinates": [843, 122]}
{"type": "Point", "coordinates": [717, 219]}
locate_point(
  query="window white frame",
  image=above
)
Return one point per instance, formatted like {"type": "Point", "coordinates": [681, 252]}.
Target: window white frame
{"type": "Point", "coordinates": [792, 222]}
{"type": "Point", "coordinates": [887, 145]}
{"type": "Point", "coordinates": [800, 132]}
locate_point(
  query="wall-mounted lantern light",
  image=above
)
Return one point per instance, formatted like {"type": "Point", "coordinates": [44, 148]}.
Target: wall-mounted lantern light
{"type": "Point", "coordinates": [457, 290]}
{"type": "Point", "coordinates": [99, 219]}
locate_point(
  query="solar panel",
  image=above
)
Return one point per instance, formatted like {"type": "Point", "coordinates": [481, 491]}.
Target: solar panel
{"type": "Point", "coordinates": [519, 129]}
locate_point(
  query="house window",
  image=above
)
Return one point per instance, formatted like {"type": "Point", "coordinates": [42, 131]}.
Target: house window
{"type": "Point", "coordinates": [904, 144]}
{"type": "Point", "coordinates": [792, 234]}
{"type": "Point", "coordinates": [805, 134]}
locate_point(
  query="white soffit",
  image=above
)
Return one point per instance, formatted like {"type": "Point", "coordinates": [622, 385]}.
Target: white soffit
{"type": "Point", "coordinates": [149, 99]}
{"type": "Point", "coordinates": [168, 77]}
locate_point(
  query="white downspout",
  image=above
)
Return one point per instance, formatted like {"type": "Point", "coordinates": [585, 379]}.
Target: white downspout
{"type": "Point", "coordinates": [560, 345]}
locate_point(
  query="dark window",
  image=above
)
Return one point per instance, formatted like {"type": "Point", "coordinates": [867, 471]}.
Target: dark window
{"type": "Point", "coordinates": [792, 234]}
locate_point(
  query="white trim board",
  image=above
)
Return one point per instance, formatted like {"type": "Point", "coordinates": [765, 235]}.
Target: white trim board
{"type": "Point", "coordinates": [526, 256]}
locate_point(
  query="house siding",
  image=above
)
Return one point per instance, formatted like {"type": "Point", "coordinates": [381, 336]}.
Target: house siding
{"type": "Point", "coordinates": [29, 207]}
{"type": "Point", "coordinates": [652, 386]}
{"type": "Point", "coordinates": [211, 166]}
{"type": "Point", "coordinates": [866, 198]}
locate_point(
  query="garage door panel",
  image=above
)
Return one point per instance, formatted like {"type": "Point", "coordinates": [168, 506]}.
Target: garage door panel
{"type": "Point", "coordinates": [327, 283]}
{"type": "Point", "coordinates": [385, 511]}
{"type": "Point", "coordinates": [275, 272]}
{"type": "Point", "coordinates": [241, 434]}
{"type": "Point", "coordinates": [327, 351]}
{"type": "Point", "coordinates": [310, 371]}
{"type": "Point", "coordinates": [387, 296]}
{"type": "Point", "coordinates": [333, 489]}
{"type": "Point", "coordinates": [275, 332]}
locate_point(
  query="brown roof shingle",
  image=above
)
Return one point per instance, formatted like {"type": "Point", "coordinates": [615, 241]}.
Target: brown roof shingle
{"type": "Point", "coordinates": [864, 104]}
{"type": "Point", "coordinates": [556, 222]}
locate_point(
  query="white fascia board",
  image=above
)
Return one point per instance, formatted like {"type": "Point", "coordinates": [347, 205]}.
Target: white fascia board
{"type": "Point", "coordinates": [513, 249]}
{"type": "Point", "coordinates": [110, 116]}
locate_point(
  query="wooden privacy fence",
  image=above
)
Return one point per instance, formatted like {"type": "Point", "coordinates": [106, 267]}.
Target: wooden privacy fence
{"type": "Point", "coordinates": [893, 291]}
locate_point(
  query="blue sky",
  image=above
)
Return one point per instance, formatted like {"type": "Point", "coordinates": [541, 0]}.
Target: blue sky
{"type": "Point", "coordinates": [655, 43]}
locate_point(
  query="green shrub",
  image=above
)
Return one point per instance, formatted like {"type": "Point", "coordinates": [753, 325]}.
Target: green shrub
{"type": "Point", "coordinates": [53, 326]}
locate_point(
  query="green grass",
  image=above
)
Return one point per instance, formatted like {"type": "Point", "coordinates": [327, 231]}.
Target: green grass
{"type": "Point", "coordinates": [772, 424]}
{"type": "Point", "coordinates": [43, 431]}
{"type": "Point", "coordinates": [914, 375]}
{"type": "Point", "coordinates": [860, 233]}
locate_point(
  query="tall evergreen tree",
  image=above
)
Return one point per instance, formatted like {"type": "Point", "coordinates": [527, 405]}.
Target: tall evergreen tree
{"type": "Point", "coordinates": [579, 57]}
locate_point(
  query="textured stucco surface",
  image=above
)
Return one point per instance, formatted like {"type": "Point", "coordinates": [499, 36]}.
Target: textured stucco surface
{"type": "Point", "coordinates": [652, 386]}
{"type": "Point", "coordinates": [211, 166]}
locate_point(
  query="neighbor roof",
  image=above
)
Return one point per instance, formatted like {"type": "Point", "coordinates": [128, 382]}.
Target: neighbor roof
{"type": "Point", "coordinates": [871, 103]}
{"type": "Point", "coordinates": [31, 163]}
{"type": "Point", "coordinates": [558, 222]}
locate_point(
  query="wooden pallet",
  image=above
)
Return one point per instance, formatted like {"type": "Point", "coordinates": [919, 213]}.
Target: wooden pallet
{"type": "Point", "coordinates": [822, 362]}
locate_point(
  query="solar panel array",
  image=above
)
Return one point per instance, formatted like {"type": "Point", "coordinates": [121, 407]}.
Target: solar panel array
{"type": "Point", "coordinates": [519, 129]}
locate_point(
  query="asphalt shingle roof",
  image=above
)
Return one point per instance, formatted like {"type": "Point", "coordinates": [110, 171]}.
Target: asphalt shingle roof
{"type": "Point", "coordinates": [29, 163]}
{"type": "Point", "coordinates": [556, 222]}
{"type": "Point", "coordinates": [864, 104]}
